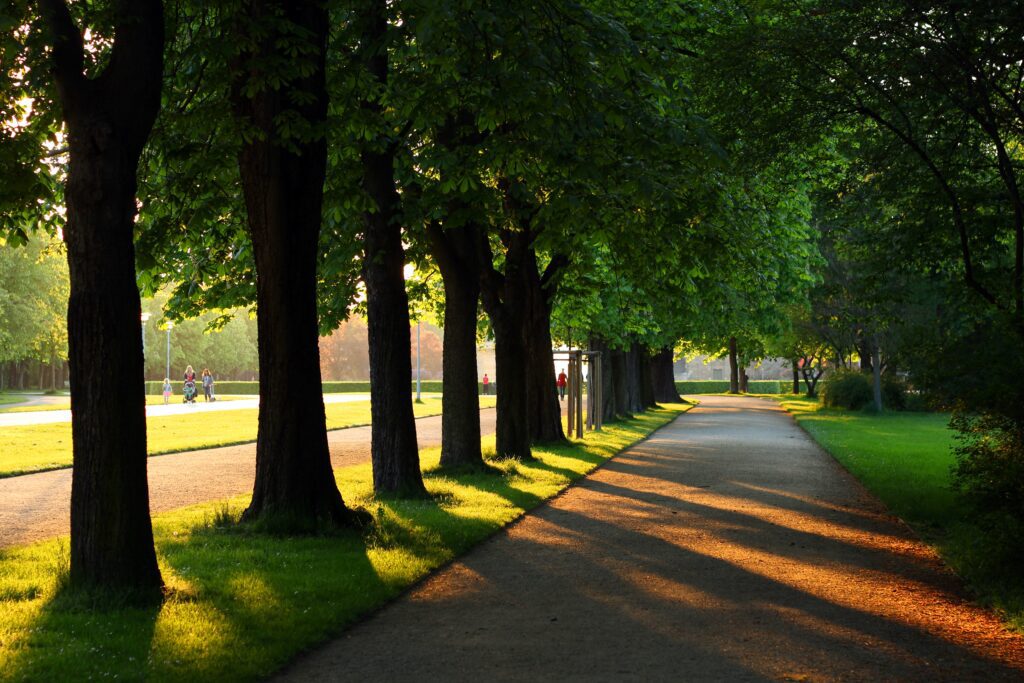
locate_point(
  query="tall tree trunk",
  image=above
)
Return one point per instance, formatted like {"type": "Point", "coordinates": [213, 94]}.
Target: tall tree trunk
{"type": "Point", "coordinates": [109, 118]}
{"type": "Point", "coordinates": [646, 379]}
{"type": "Point", "coordinates": [545, 418]}
{"type": "Point", "coordinates": [283, 188]}
{"type": "Point", "coordinates": [744, 380]}
{"type": "Point", "coordinates": [634, 390]}
{"type": "Point", "coordinates": [796, 377]}
{"type": "Point", "coordinates": [876, 365]}
{"type": "Point", "coordinates": [734, 375]}
{"type": "Point", "coordinates": [608, 409]}
{"type": "Point", "coordinates": [620, 383]}
{"type": "Point", "coordinates": [504, 298]}
{"type": "Point", "coordinates": [457, 256]}
{"type": "Point", "coordinates": [663, 377]}
{"type": "Point", "coordinates": [393, 447]}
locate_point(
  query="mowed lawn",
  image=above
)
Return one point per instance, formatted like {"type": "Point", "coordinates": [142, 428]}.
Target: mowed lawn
{"type": "Point", "coordinates": [34, 448]}
{"type": "Point", "coordinates": [242, 604]}
{"type": "Point", "coordinates": [66, 404]}
{"type": "Point", "coordinates": [906, 459]}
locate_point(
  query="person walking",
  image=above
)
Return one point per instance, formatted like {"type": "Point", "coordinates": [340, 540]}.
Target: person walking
{"type": "Point", "coordinates": [561, 383]}
{"type": "Point", "coordinates": [207, 384]}
{"type": "Point", "coordinates": [487, 384]}
{"type": "Point", "coordinates": [167, 390]}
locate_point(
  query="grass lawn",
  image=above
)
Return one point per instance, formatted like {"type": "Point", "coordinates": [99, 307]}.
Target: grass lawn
{"type": "Point", "coordinates": [66, 405]}
{"type": "Point", "coordinates": [905, 459]}
{"type": "Point", "coordinates": [34, 448]}
{"type": "Point", "coordinates": [242, 605]}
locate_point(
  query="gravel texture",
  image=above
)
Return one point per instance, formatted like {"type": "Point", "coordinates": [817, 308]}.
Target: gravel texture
{"type": "Point", "coordinates": [727, 547]}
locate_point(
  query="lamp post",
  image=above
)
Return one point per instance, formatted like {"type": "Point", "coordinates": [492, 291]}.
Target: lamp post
{"type": "Point", "coordinates": [170, 325]}
{"type": "Point", "coordinates": [417, 361]}
{"type": "Point", "coordinates": [146, 315]}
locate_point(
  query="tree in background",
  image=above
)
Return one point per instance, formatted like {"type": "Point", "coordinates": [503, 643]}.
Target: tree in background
{"type": "Point", "coordinates": [33, 310]}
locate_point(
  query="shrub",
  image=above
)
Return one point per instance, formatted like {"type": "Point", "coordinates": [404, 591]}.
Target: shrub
{"type": "Point", "coordinates": [989, 473]}
{"type": "Point", "coordinates": [847, 389]}
{"type": "Point", "coordinates": [228, 387]}
{"type": "Point", "coordinates": [894, 393]}
{"type": "Point", "coordinates": [717, 386]}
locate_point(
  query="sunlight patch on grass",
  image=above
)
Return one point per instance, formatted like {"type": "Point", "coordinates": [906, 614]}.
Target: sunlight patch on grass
{"type": "Point", "coordinates": [35, 448]}
{"type": "Point", "coordinates": [241, 605]}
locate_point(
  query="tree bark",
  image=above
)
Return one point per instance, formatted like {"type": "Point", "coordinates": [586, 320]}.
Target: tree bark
{"type": "Point", "coordinates": [503, 297]}
{"type": "Point", "coordinates": [734, 375]}
{"type": "Point", "coordinates": [646, 380]}
{"type": "Point", "coordinates": [457, 256]}
{"type": "Point", "coordinates": [663, 377]}
{"type": "Point", "coordinates": [620, 383]}
{"type": "Point", "coordinates": [393, 446]}
{"type": "Point", "coordinates": [545, 417]}
{"type": "Point", "coordinates": [876, 365]}
{"type": "Point", "coordinates": [608, 409]}
{"type": "Point", "coordinates": [796, 377]}
{"type": "Point", "coordinates": [744, 380]}
{"type": "Point", "coordinates": [283, 186]}
{"type": "Point", "coordinates": [109, 118]}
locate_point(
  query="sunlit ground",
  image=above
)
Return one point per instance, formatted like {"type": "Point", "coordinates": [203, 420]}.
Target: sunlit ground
{"type": "Point", "coordinates": [35, 448]}
{"type": "Point", "coordinates": [241, 605]}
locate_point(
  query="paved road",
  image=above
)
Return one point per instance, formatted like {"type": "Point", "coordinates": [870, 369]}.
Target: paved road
{"type": "Point", "coordinates": [175, 407]}
{"type": "Point", "coordinates": [728, 547]}
{"type": "Point", "coordinates": [37, 506]}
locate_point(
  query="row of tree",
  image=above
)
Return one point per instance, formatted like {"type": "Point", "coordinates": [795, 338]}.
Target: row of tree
{"type": "Point", "coordinates": [551, 161]}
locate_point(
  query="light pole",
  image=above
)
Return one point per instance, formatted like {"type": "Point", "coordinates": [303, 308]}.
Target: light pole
{"type": "Point", "coordinates": [170, 325]}
{"type": "Point", "coordinates": [417, 361]}
{"type": "Point", "coordinates": [146, 315]}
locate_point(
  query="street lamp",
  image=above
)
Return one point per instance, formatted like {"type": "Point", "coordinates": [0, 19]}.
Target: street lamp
{"type": "Point", "coordinates": [146, 315]}
{"type": "Point", "coordinates": [170, 325]}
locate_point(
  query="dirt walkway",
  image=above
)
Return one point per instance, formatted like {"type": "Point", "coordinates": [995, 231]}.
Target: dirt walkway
{"type": "Point", "coordinates": [37, 506]}
{"type": "Point", "coordinates": [728, 547]}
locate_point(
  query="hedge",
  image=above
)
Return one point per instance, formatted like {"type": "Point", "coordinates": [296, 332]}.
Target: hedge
{"type": "Point", "coordinates": [717, 386]}
{"type": "Point", "coordinates": [235, 388]}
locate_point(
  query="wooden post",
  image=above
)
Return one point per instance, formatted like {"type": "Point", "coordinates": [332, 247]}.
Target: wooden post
{"type": "Point", "coordinates": [571, 375]}
{"type": "Point", "coordinates": [578, 405]}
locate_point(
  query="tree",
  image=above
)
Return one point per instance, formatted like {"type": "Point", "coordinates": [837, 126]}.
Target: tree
{"type": "Point", "coordinates": [280, 93]}
{"type": "Point", "coordinates": [393, 449]}
{"type": "Point", "coordinates": [108, 106]}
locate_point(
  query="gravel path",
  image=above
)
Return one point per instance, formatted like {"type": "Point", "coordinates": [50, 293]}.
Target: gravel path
{"type": "Point", "coordinates": [728, 547]}
{"type": "Point", "coordinates": [37, 506]}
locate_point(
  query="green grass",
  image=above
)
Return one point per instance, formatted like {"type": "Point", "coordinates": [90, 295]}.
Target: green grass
{"type": "Point", "coordinates": [36, 448]}
{"type": "Point", "coordinates": [242, 605]}
{"type": "Point", "coordinates": [150, 401]}
{"type": "Point", "coordinates": [906, 460]}
{"type": "Point", "coordinates": [7, 399]}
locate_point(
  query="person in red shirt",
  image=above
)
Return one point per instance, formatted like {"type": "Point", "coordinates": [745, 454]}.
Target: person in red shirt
{"type": "Point", "coordinates": [561, 383]}
{"type": "Point", "coordinates": [486, 383]}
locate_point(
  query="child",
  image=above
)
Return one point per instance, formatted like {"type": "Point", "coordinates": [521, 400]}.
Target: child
{"type": "Point", "coordinates": [167, 390]}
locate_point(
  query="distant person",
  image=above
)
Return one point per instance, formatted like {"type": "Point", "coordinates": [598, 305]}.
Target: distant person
{"type": "Point", "coordinates": [207, 384]}
{"type": "Point", "coordinates": [167, 390]}
{"type": "Point", "coordinates": [189, 389]}
{"type": "Point", "coordinates": [561, 384]}
{"type": "Point", "coordinates": [487, 384]}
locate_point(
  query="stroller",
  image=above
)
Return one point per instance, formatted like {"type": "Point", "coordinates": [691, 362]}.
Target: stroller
{"type": "Point", "coordinates": [190, 391]}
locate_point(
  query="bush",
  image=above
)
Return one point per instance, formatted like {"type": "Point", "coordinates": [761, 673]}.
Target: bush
{"type": "Point", "coordinates": [717, 386]}
{"type": "Point", "coordinates": [990, 464]}
{"type": "Point", "coordinates": [894, 393]}
{"type": "Point", "coordinates": [847, 389]}
{"type": "Point", "coordinates": [229, 388]}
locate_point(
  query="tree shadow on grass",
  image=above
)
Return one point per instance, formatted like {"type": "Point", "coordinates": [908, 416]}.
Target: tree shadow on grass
{"type": "Point", "coordinates": [77, 634]}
